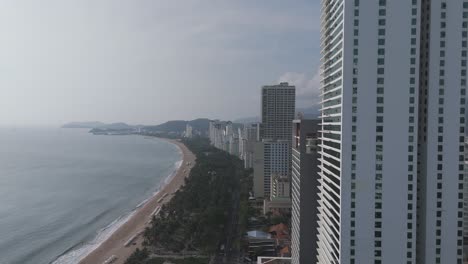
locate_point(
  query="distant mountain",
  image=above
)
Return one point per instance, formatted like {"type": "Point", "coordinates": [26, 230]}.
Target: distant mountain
{"type": "Point", "coordinates": [169, 126]}
{"type": "Point", "coordinates": [93, 124]}
{"type": "Point", "coordinates": [115, 129]}
{"type": "Point", "coordinates": [308, 113]}
{"type": "Point", "coordinates": [200, 124]}
{"type": "Point", "coordinates": [248, 120]}
{"type": "Point", "coordinates": [178, 126]}
{"type": "Point", "coordinates": [117, 126]}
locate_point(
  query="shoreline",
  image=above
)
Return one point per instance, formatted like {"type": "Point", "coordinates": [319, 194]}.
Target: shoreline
{"type": "Point", "coordinates": [127, 237]}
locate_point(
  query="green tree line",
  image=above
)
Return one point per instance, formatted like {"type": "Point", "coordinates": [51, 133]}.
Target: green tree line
{"type": "Point", "coordinates": [196, 216]}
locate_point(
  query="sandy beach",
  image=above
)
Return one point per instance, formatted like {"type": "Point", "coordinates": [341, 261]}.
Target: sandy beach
{"type": "Point", "coordinates": [123, 242]}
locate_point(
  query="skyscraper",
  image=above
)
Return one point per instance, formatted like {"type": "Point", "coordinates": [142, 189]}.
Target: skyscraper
{"type": "Point", "coordinates": [278, 108]}
{"type": "Point", "coordinates": [250, 135]}
{"type": "Point", "coordinates": [273, 154]}
{"type": "Point", "coordinates": [305, 158]}
{"type": "Point", "coordinates": [393, 121]}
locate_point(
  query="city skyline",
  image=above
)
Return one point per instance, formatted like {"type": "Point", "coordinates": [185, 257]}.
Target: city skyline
{"type": "Point", "coordinates": [329, 132]}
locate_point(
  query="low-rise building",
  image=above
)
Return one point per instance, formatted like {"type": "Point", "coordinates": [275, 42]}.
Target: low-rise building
{"type": "Point", "coordinates": [277, 206]}
{"type": "Point", "coordinates": [279, 202]}
{"type": "Point", "coordinates": [280, 186]}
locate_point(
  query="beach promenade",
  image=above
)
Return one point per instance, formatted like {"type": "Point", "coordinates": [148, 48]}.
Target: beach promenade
{"type": "Point", "coordinates": [123, 242]}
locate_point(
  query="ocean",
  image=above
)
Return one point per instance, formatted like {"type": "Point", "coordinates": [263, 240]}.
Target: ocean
{"type": "Point", "coordinates": [63, 191]}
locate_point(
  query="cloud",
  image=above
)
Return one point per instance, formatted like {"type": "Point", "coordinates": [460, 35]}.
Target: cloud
{"type": "Point", "coordinates": [149, 61]}
{"type": "Point", "coordinates": [307, 87]}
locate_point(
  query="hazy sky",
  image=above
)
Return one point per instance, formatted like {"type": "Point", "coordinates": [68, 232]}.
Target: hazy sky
{"type": "Point", "coordinates": [144, 62]}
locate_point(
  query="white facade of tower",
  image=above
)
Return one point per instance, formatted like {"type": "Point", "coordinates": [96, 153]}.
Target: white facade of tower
{"type": "Point", "coordinates": [465, 196]}
{"type": "Point", "coordinates": [442, 159]}
{"type": "Point", "coordinates": [371, 120]}
{"type": "Point", "coordinates": [188, 131]}
{"type": "Point", "coordinates": [250, 135]}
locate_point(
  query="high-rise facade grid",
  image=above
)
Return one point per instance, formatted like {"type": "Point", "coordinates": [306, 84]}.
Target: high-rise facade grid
{"type": "Point", "coordinates": [393, 121]}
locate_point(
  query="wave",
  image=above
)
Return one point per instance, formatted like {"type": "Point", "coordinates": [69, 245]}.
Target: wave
{"type": "Point", "coordinates": [75, 254]}
{"type": "Point", "coordinates": [169, 178]}
{"type": "Point", "coordinates": [39, 250]}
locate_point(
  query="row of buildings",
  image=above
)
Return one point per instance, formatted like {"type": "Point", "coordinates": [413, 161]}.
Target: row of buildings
{"type": "Point", "coordinates": [281, 149]}
{"type": "Point", "coordinates": [265, 147]}
{"type": "Point", "coordinates": [386, 161]}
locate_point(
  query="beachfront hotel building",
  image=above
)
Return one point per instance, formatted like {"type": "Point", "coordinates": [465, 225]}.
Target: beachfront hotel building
{"type": "Point", "coordinates": [278, 109]}
{"type": "Point", "coordinates": [233, 141]}
{"type": "Point", "coordinates": [215, 131]}
{"type": "Point", "coordinates": [305, 158]}
{"type": "Point", "coordinates": [272, 155]}
{"type": "Point", "coordinates": [393, 93]}
{"type": "Point", "coordinates": [250, 135]}
{"type": "Point", "coordinates": [223, 136]}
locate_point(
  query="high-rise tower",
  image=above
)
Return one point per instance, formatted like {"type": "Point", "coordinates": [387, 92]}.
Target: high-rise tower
{"type": "Point", "coordinates": [278, 108]}
{"type": "Point", "coordinates": [305, 160]}
{"type": "Point", "coordinates": [393, 120]}
{"type": "Point", "coordinates": [273, 154]}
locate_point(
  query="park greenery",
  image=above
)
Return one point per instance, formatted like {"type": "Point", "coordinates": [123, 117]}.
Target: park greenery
{"type": "Point", "coordinates": [195, 220]}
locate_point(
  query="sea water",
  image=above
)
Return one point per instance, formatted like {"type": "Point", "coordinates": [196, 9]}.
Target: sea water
{"type": "Point", "coordinates": [64, 191]}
